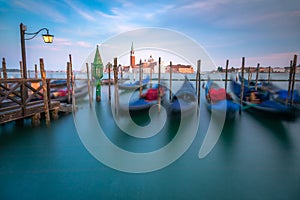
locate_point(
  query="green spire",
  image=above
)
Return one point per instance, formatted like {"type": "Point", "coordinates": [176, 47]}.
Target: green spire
{"type": "Point", "coordinates": [97, 65]}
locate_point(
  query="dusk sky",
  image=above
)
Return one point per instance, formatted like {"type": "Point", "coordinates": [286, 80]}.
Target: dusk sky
{"type": "Point", "coordinates": [262, 31]}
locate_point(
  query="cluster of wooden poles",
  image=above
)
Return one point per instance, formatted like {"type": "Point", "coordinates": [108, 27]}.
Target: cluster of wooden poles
{"type": "Point", "coordinates": [116, 92]}
{"type": "Point", "coordinates": [291, 84]}
{"type": "Point", "coordinates": [45, 87]}
{"type": "Point", "coordinates": [70, 81]}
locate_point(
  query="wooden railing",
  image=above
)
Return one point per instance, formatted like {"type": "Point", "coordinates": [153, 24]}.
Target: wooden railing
{"type": "Point", "coordinates": [20, 98]}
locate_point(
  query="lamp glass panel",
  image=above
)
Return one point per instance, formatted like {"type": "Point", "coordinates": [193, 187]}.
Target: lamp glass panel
{"type": "Point", "coordinates": [48, 38]}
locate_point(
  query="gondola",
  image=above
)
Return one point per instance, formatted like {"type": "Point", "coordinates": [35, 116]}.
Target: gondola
{"type": "Point", "coordinates": [219, 101]}
{"type": "Point", "coordinates": [259, 101]}
{"type": "Point", "coordinates": [141, 103]}
{"type": "Point", "coordinates": [135, 85]}
{"type": "Point", "coordinates": [185, 99]}
{"type": "Point", "coordinates": [61, 95]}
{"type": "Point", "coordinates": [282, 96]}
{"type": "Point", "coordinates": [250, 83]}
{"type": "Point", "coordinates": [277, 94]}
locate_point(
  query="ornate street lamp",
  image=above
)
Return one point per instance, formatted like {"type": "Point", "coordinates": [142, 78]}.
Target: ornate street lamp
{"type": "Point", "coordinates": [46, 37]}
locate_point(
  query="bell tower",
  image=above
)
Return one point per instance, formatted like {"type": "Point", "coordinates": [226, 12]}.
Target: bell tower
{"type": "Point", "coordinates": [132, 56]}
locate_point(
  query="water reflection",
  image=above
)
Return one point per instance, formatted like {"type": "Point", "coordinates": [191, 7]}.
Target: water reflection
{"type": "Point", "coordinates": [276, 129]}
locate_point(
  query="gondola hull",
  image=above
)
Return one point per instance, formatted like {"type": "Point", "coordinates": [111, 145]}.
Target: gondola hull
{"type": "Point", "coordinates": [222, 106]}
{"type": "Point", "coordinates": [267, 106]}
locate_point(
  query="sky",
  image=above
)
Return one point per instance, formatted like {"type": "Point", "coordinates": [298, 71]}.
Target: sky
{"type": "Point", "coordinates": [262, 31]}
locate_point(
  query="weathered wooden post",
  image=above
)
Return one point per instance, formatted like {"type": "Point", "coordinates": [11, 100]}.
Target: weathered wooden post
{"type": "Point", "coordinates": [269, 75]}
{"type": "Point", "coordinates": [170, 94]}
{"type": "Point", "coordinates": [140, 78]}
{"type": "Point", "coordinates": [226, 74]}
{"type": "Point", "coordinates": [256, 78]}
{"type": "Point", "coordinates": [121, 71]}
{"type": "Point", "coordinates": [249, 76]}
{"type": "Point", "coordinates": [69, 81]}
{"type": "Point", "coordinates": [73, 92]}
{"type": "Point", "coordinates": [151, 72]}
{"type": "Point", "coordinates": [35, 71]}
{"type": "Point", "coordinates": [71, 75]}
{"type": "Point", "coordinates": [242, 85]}
{"type": "Point", "coordinates": [89, 83]}
{"type": "Point", "coordinates": [109, 81]}
{"type": "Point", "coordinates": [116, 91]}
{"type": "Point", "coordinates": [71, 65]}
{"type": "Point", "coordinates": [45, 93]}
{"type": "Point", "coordinates": [293, 78]}
{"type": "Point", "coordinates": [98, 73]}
{"type": "Point", "coordinates": [289, 84]}
{"type": "Point", "coordinates": [21, 69]}
{"type": "Point", "coordinates": [199, 80]}
{"type": "Point", "coordinates": [4, 70]}
{"type": "Point", "coordinates": [158, 87]}
{"type": "Point", "coordinates": [93, 83]}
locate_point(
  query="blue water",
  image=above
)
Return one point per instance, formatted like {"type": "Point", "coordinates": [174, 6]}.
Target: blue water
{"type": "Point", "coordinates": [255, 158]}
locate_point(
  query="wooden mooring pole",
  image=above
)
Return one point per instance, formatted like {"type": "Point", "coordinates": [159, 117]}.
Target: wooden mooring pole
{"type": "Point", "coordinates": [226, 74]}
{"type": "Point", "coordinates": [159, 86]}
{"type": "Point", "coordinates": [4, 70]}
{"type": "Point", "coordinates": [199, 80]}
{"type": "Point", "coordinates": [45, 92]}
{"type": "Point", "coordinates": [35, 71]}
{"type": "Point", "coordinates": [73, 92]}
{"type": "Point", "coordinates": [89, 83]}
{"type": "Point", "coordinates": [93, 84]}
{"type": "Point", "coordinates": [289, 84]}
{"type": "Point", "coordinates": [269, 75]}
{"type": "Point", "coordinates": [256, 78]}
{"type": "Point", "coordinates": [109, 80]}
{"type": "Point", "coordinates": [293, 79]}
{"type": "Point", "coordinates": [116, 90]}
{"type": "Point", "coordinates": [171, 69]}
{"type": "Point", "coordinates": [249, 76]}
{"type": "Point", "coordinates": [242, 85]}
{"type": "Point", "coordinates": [140, 78]}
{"type": "Point", "coordinates": [21, 69]}
{"type": "Point", "coordinates": [68, 82]}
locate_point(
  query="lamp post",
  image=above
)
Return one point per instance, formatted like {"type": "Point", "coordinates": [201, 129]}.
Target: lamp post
{"type": "Point", "coordinates": [46, 37]}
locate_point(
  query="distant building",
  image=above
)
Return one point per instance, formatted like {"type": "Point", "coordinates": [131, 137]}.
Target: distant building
{"type": "Point", "coordinates": [179, 68]}
{"type": "Point", "coordinates": [150, 65]}
{"type": "Point", "coordinates": [279, 70]}
{"type": "Point", "coordinates": [287, 69]}
{"type": "Point", "coordinates": [147, 66]}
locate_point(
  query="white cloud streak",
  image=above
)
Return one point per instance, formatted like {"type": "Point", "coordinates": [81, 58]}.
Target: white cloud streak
{"type": "Point", "coordinates": [38, 8]}
{"type": "Point", "coordinates": [80, 11]}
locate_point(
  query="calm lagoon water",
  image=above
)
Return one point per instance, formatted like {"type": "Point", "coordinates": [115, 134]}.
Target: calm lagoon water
{"type": "Point", "coordinates": [254, 158]}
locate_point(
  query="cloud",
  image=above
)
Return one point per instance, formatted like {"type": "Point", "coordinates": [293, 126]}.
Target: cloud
{"type": "Point", "coordinates": [206, 4]}
{"type": "Point", "coordinates": [62, 42]}
{"type": "Point", "coordinates": [250, 19]}
{"type": "Point", "coordinates": [38, 7]}
{"type": "Point", "coordinates": [80, 11]}
{"type": "Point", "coordinates": [128, 16]}
{"type": "Point", "coordinates": [84, 44]}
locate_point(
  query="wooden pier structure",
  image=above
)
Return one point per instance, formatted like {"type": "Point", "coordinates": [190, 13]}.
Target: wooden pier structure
{"type": "Point", "coordinates": [19, 99]}
{"type": "Point", "coordinates": [22, 98]}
